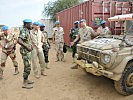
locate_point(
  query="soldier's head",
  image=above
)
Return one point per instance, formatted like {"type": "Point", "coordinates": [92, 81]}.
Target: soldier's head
{"type": "Point", "coordinates": [5, 29]}
{"type": "Point", "coordinates": [83, 23]}
{"type": "Point", "coordinates": [76, 24]}
{"type": "Point", "coordinates": [28, 23]}
{"type": "Point", "coordinates": [36, 25]}
{"type": "Point", "coordinates": [42, 26]}
{"type": "Point", "coordinates": [57, 23]}
{"type": "Point", "coordinates": [103, 23]}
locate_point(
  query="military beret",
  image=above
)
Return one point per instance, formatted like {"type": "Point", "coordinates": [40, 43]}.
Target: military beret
{"type": "Point", "coordinates": [82, 20]}
{"type": "Point", "coordinates": [103, 22]}
{"type": "Point", "coordinates": [27, 21]}
{"type": "Point", "coordinates": [76, 22]}
{"type": "Point", "coordinates": [41, 24]}
{"type": "Point", "coordinates": [36, 23]}
{"type": "Point", "coordinates": [4, 28]}
{"type": "Point", "coordinates": [57, 22]}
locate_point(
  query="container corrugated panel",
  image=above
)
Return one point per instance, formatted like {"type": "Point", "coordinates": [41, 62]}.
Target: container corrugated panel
{"type": "Point", "coordinates": [94, 11]}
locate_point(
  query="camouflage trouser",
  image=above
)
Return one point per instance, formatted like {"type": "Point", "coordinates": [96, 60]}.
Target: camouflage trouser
{"type": "Point", "coordinates": [60, 53]}
{"type": "Point", "coordinates": [46, 56]}
{"type": "Point", "coordinates": [26, 56]}
{"type": "Point", "coordinates": [45, 52]}
{"type": "Point", "coordinates": [38, 53]}
{"type": "Point", "coordinates": [74, 50]}
{"type": "Point", "coordinates": [4, 56]}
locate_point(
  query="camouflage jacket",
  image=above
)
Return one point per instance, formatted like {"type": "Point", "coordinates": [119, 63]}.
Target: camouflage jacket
{"type": "Point", "coordinates": [8, 42]}
{"type": "Point", "coordinates": [58, 34]}
{"type": "Point", "coordinates": [25, 35]}
{"type": "Point", "coordinates": [86, 34]}
{"type": "Point", "coordinates": [73, 34]}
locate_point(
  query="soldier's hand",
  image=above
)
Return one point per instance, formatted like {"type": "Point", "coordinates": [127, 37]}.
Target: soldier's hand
{"type": "Point", "coordinates": [12, 47]}
{"type": "Point", "coordinates": [1, 46]}
{"type": "Point", "coordinates": [72, 43]}
{"type": "Point", "coordinates": [30, 49]}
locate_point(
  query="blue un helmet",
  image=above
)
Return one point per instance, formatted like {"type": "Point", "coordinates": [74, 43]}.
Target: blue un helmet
{"type": "Point", "coordinates": [76, 22]}
{"type": "Point", "coordinates": [82, 20]}
{"type": "Point", "coordinates": [102, 22]}
{"type": "Point", "coordinates": [36, 23]}
{"type": "Point", "coordinates": [42, 25]}
{"type": "Point", "coordinates": [27, 21]}
{"type": "Point", "coordinates": [4, 28]}
{"type": "Point", "coordinates": [57, 22]}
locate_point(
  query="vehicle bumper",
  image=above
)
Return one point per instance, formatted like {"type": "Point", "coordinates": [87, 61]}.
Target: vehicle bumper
{"type": "Point", "coordinates": [94, 68]}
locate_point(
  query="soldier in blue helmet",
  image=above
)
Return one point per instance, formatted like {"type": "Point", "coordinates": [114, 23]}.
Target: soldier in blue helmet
{"type": "Point", "coordinates": [8, 45]}
{"type": "Point", "coordinates": [85, 34]}
{"type": "Point", "coordinates": [24, 40]}
{"type": "Point", "coordinates": [58, 39]}
{"type": "Point", "coordinates": [46, 44]}
{"type": "Point", "coordinates": [37, 52]}
{"type": "Point", "coordinates": [103, 29]}
{"type": "Point", "coordinates": [73, 34]}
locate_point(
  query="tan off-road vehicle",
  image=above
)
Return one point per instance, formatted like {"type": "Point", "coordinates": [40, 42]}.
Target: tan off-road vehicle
{"type": "Point", "coordinates": [111, 56]}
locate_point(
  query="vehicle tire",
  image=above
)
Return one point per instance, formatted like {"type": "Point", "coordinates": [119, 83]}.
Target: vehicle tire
{"type": "Point", "coordinates": [125, 85]}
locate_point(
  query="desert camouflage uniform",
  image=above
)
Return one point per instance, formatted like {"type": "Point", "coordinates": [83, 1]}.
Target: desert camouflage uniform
{"type": "Point", "coordinates": [8, 43]}
{"type": "Point", "coordinates": [86, 33]}
{"type": "Point", "coordinates": [103, 31]}
{"type": "Point", "coordinates": [58, 34]}
{"type": "Point", "coordinates": [25, 35]}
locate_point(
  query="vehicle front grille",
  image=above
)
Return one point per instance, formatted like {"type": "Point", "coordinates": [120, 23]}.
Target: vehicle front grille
{"type": "Point", "coordinates": [89, 54]}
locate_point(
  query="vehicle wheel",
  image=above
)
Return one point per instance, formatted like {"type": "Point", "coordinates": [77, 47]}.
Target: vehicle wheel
{"type": "Point", "coordinates": [125, 85]}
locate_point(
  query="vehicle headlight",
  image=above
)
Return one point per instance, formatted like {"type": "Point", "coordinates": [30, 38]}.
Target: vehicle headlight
{"type": "Point", "coordinates": [106, 58]}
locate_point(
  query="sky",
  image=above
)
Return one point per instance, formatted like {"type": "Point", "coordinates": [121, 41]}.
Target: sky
{"type": "Point", "coordinates": [13, 12]}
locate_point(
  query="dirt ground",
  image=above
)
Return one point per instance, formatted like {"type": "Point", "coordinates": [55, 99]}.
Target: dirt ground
{"type": "Point", "coordinates": [62, 83]}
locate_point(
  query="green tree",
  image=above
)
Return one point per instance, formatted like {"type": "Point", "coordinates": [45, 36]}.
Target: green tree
{"type": "Point", "coordinates": [51, 8]}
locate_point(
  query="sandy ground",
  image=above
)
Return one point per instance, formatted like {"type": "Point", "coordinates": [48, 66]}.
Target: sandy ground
{"type": "Point", "coordinates": [62, 83]}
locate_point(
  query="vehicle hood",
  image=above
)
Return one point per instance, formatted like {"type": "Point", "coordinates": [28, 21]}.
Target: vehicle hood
{"type": "Point", "coordinates": [102, 43]}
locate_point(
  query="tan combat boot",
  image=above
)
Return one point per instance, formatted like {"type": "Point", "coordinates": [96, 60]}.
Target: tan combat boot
{"type": "Point", "coordinates": [47, 66]}
{"type": "Point", "coordinates": [37, 76]}
{"type": "Point", "coordinates": [74, 67]}
{"type": "Point", "coordinates": [26, 85]}
{"type": "Point", "coordinates": [42, 73]}
{"type": "Point", "coordinates": [29, 81]}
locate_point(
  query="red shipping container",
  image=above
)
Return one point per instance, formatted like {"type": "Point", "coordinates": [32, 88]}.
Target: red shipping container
{"type": "Point", "coordinates": [94, 11]}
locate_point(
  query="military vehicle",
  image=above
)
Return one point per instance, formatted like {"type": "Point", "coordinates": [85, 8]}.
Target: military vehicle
{"type": "Point", "coordinates": [111, 56]}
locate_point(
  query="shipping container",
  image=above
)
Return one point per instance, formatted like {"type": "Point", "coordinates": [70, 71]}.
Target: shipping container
{"type": "Point", "coordinates": [94, 11]}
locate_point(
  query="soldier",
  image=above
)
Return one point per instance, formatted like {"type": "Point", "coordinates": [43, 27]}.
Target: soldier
{"type": "Point", "coordinates": [73, 34]}
{"type": "Point", "coordinates": [103, 29]}
{"type": "Point", "coordinates": [58, 38]}
{"type": "Point", "coordinates": [85, 34]}
{"type": "Point", "coordinates": [37, 38]}
{"type": "Point", "coordinates": [26, 47]}
{"type": "Point", "coordinates": [46, 44]}
{"type": "Point", "coordinates": [8, 44]}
